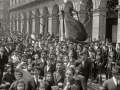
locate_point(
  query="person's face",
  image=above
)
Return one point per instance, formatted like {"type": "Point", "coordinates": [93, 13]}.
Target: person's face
{"type": "Point", "coordinates": [49, 77]}
{"type": "Point", "coordinates": [36, 72]}
{"type": "Point", "coordinates": [111, 54]}
{"type": "Point", "coordinates": [57, 52]}
{"type": "Point", "coordinates": [84, 57]}
{"type": "Point", "coordinates": [64, 48]}
{"type": "Point", "coordinates": [66, 59]}
{"type": "Point", "coordinates": [43, 55]}
{"type": "Point", "coordinates": [18, 75]}
{"type": "Point", "coordinates": [29, 67]}
{"type": "Point", "coordinates": [51, 49]}
{"type": "Point", "coordinates": [36, 57]}
{"type": "Point", "coordinates": [98, 53]}
{"type": "Point", "coordinates": [25, 66]}
{"type": "Point", "coordinates": [76, 71]}
{"type": "Point", "coordinates": [78, 47]}
{"type": "Point", "coordinates": [70, 54]}
{"type": "Point", "coordinates": [20, 86]}
{"type": "Point", "coordinates": [58, 58]}
{"type": "Point", "coordinates": [70, 46]}
{"type": "Point", "coordinates": [69, 75]}
{"type": "Point", "coordinates": [29, 61]}
{"type": "Point", "coordinates": [49, 62]}
{"type": "Point", "coordinates": [9, 69]}
{"type": "Point", "coordinates": [10, 60]}
{"type": "Point", "coordinates": [59, 66]}
{"type": "Point", "coordinates": [1, 50]}
{"type": "Point", "coordinates": [53, 56]}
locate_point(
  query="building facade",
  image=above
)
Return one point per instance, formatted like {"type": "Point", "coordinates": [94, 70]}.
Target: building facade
{"type": "Point", "coordinates": [43, 16]}
{"type": "Point", "coordinates": [4, 14]}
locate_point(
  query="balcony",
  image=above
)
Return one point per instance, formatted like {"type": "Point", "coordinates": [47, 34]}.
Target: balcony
{"type": "Point", "coordinates": [23, 3]}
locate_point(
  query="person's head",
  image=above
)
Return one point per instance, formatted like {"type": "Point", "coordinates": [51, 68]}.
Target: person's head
{"type": "Point", "coordinates": [71, 60]}
{"type": "Point", "coordinates": [29, 67]}
{"type": "Point", "coordinates": [1, 50]}
{"type": "Point", "coordinates": [21, 85]}
{"type": "Point", "coordinates": [111, 54]}
{"type": "Point", "coordinates": [59, 65]}
{"type": "Point", "coordinates": [70, 72]}
{"type": "Point", "coordinates": [79, 47]}
{"type": "Point", "coordinates": [29, 61]}
{"type": "Point", "coordinates": [65, 47]}
{"type": "Point", "coordinates": [51, 49]}
{"type": "Point", "coordinates": [71, 45]}
{"type": "Point", "coordinates": [36, 71]}
{"type": "Point", "coordinates": [116, 72]}
{"type": "Point", "coordinates": [98, 51]}
{"type": "Point", "coordinates": [59, 58]}
{"type": "Point", "coordinates": [10, 60]}
{"type": "Point", "coordinates": [8, 68]}
{"type": "Point", "coordinates": [43, 85]}
{"type": "Point", "coordinates": [17, 47]}
{"type": "Point", "coordinates": [18, 74]}
{"type": "Point", "coordinates": [36, 56]}
{"type": "Point", "coordinates": [43, 54]}
{"type": "Point", "coordinates": [84, 56]}
{"type": "Point", "coordinates": [48, 76]}
{"type": "Point", "coordinates": [70, 54]}
{"type": "Point", "coordinates": [66, 59]}
{"type": "Point", "coordinates": [49, 61]}
{"type": "Point", "coordinates": [53, 56]}
{"type": "Point", "coordinates": [25, 65]}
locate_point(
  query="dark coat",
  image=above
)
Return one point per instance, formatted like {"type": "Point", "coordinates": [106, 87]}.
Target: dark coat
{"type": "Point", "coordinates": [3, 60]}
{"type": "Point", "coordinates": [32, 84]}
{"type": "Point", "coordinates": [110, 85]}
{"type": "Point", "coordinates": [8, 78]}
{"type": "Point", "coordinates": [51, 69]}
{"type": "Point", "coordinates": [60, 78]}
{"type": "Point", "coordinates": [86, 70]}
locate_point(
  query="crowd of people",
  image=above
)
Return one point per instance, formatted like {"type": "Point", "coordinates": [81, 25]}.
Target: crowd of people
{"type": "Point", "coordinates": [46, 63]}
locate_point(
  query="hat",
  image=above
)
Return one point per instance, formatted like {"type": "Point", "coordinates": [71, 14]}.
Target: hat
{"type": "Point", "coordinates": [7, 66]}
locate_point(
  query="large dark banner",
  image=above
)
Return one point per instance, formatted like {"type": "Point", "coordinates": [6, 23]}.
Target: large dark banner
{"type": "Point", "coordinates": [75, 30]}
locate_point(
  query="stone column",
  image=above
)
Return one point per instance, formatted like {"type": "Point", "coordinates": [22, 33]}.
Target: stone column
{"type": "Point", "coordinates": [11, 26]}
{"type": "Point", "coordinates": [17, 25]}
{"type": "Point", "coordinates": [28, 26]}
{"type": "Point", "coordinates": [99, 24]}
{"type": "Point", "coordinates": [33, 25]}
{"type": "Point", "coordinates": [21, 26]}
{"type": "Point", "coordinates": [41, 25]}
{"type": "Point", "coordinates": [61, 27]}
{"type": "Point", "coordinates": [50, 24]}
{"type": "Point", "coordinates": [118, 29]}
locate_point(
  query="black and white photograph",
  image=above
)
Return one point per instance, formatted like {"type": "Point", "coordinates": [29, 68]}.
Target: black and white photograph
{"type": "Point", "coordinates": [59, 44]}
